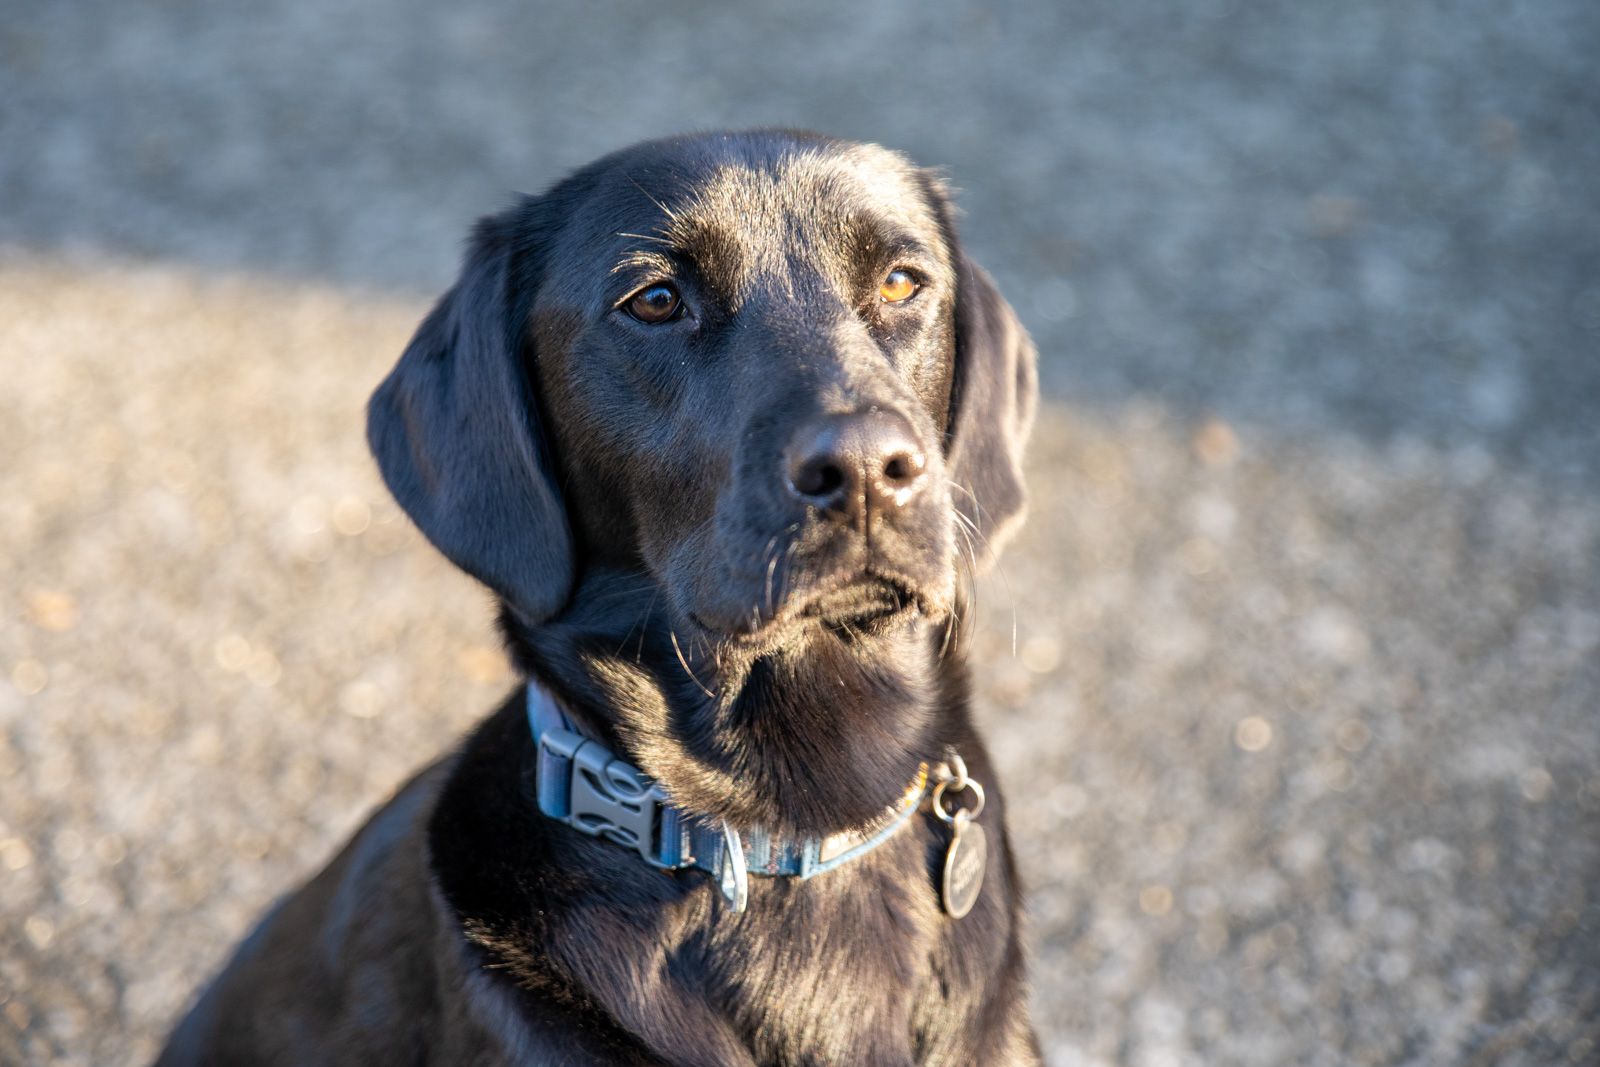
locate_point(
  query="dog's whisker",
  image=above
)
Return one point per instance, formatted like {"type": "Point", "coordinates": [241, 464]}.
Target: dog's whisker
{"type": "Point", "coordinates": [951, 625]}
{"type": "Point", "coordinates": [999, 568]}
{"type": "Point", "coordinates": [971, 525]}
{"type": "Point", "coordinates": [1010, 596]}
{"type": "Point", "coordinates": [970, 560]}
{"type": "Point", "coordinates": [968, 524]}
{"type": "Point", "coordinates": [638, 650]}
{"type": "Point", "coordinates": [967, 575]}
{"type": "Point", "coordinates": [964, 523]}
{"type": "Point", "coordinates": [772, 562]}
{"type": "Point", "coordinates": [968, 564]}
{"type": "Point", "coordinates": [685, 664]}
{"type": "Point", "coordinates": [704, 649]}
{"type": "Point", "coordinates": [970, 494]}
{"type": "Point", "coordinates": [772, 558]}
{"type": "Point", "coordinates": [971, 535]}
{"type": "Point", "coordinates": [642, 625]}
{"type": "Point", "coordinates": [609, 597]}
{"type": "Point", "coordinates": [664, 209]}
{"type": "Point", "coordinates": [788, 569]}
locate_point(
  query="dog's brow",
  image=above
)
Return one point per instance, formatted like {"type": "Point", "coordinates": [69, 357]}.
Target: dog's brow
{"type": "Point", "coordinates": [904, 246]}
{"type": "Point", "coordinates": [713, 249]}
{"type": "Point", "coordinates": [876, 248]}
{"type": "Point", "coordinates": [869, 235]}
{"type": "Point", "coordinates": [644, 260]}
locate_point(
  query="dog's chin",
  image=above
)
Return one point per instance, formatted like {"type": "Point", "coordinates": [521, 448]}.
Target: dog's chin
{"type": "Point", "coordinates": [853, 608]}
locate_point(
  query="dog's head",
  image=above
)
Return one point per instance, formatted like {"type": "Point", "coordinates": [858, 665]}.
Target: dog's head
{"type": "Point", "coordinates": [755, 367]}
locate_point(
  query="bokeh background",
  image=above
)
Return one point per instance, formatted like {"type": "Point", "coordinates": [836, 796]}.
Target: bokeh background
{"type": "Point", "coordinates": [1294, 678]}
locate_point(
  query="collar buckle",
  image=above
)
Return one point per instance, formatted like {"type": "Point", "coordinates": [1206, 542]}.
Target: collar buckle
{"type": "Point", "coordinates": [583, 785]}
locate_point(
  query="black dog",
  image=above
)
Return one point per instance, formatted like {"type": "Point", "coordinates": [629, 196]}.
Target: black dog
{"type": "Point", "coordinates": [725, 422]}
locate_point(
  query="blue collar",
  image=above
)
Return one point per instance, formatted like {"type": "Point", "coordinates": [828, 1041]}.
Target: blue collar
{"type": "Point", "coordinates": [581, 783]}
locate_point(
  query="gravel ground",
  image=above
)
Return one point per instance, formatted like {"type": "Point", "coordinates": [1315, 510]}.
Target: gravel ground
{"type": "Point", "coordinates": [1295, 674]}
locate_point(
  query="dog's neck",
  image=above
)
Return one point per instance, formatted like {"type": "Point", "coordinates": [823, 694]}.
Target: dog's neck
{"type": "Point", "coordinates": [811, 736]}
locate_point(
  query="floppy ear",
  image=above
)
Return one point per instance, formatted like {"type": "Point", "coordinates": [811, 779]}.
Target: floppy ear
{"type": "Point", "coordinates": [992, 399]}
{"type": "Point", "coordinates": [455, 432]}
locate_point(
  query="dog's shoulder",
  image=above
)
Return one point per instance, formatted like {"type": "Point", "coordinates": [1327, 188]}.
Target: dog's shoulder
{"type": "Point", "coordinates": [349, 954]}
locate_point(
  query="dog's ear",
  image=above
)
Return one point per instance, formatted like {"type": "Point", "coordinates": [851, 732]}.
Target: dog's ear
{"type": "Point", "coordinates": [455, 430]}
{"type": "Point", "coordinates": [993, 391]}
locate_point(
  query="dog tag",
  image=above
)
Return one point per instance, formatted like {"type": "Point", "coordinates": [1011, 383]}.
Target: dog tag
{"type": "Point", "coordinates": [964, 863]}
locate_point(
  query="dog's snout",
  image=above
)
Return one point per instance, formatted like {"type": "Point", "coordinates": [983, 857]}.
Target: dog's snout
{"type": "Point", "coordinates": [848, 464]}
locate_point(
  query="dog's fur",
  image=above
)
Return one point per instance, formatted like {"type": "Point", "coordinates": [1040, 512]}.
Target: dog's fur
{"type": "Point", "coordinates": [620, 487]}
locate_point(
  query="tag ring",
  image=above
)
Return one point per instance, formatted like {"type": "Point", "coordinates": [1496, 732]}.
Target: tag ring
{"type": "Point", "coordinates": [950, 817]}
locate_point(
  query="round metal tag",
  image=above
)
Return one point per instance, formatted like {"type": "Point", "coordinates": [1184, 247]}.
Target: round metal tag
{"type": "Point", "coordinates": [964, 863]}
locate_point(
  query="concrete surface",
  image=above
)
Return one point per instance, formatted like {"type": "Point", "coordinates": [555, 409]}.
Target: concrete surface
{"type": "Point", "coordinates": [1303, 720]}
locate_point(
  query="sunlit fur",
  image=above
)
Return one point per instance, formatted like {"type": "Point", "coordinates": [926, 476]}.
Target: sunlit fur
{"type": "Point", "coordinates": [618, 485]}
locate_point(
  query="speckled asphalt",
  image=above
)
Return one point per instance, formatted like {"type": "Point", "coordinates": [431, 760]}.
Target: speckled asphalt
{"type": "Point", "coordinates": [1301, 714]}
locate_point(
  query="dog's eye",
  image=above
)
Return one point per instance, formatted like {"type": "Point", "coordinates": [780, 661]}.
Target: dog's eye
{"type": "Point", "coordinates": [898, 286]}
{"type": "Point", "coordinates": [655, 304]}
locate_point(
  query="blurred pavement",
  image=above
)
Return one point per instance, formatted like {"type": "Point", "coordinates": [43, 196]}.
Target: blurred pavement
{"type": "Point", "coordinates": [1302, 722]}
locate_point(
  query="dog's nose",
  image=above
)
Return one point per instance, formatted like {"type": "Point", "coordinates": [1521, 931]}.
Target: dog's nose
{"type": "Point", "coordinates": [846, 465]}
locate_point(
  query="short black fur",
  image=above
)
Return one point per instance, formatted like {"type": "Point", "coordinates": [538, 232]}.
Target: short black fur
{"type": "Point", "coordinates": [772, 660]}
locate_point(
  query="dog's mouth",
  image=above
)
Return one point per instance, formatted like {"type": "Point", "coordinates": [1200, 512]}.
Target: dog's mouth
{"type": "Point", "coordinates": [850, 605]}
{"type": "Point", "coordinates": [861, 603]}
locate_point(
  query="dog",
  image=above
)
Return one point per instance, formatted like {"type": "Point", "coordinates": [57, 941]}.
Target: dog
{"type": "Point", "coordinates": [726, 422]}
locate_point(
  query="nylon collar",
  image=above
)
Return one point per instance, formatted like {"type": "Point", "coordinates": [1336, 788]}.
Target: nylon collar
{"type": "Point", "coordinates": [582, 784]}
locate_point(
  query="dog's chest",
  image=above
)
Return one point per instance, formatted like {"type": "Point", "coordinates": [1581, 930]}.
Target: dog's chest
{"type": "Point", "coordinates": [832, 970]}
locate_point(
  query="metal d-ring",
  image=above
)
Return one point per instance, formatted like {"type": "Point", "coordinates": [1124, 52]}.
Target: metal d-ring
{"type": "Point", "coordinates": [733, 877]}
